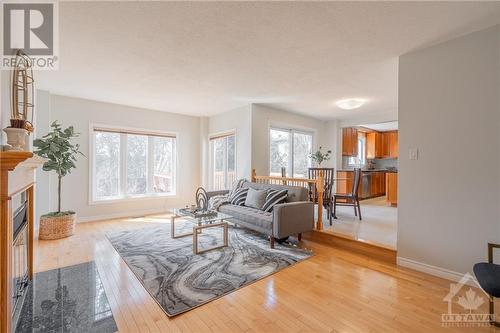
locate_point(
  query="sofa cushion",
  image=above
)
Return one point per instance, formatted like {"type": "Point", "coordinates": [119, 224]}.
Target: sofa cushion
{"type": "Point", "coordinates": [255, 198]}
{"type": "Point", "coordinates": [274, 197]}
{"type": "Point", "coordinates": [295, 193]}
{"type": "Point", "coordinates": [238, 197]}
{"type": "Point", "coordinates": [250, 216]}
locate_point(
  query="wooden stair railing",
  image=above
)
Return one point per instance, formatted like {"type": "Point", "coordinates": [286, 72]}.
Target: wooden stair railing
{"type": "Point", "coordinates": [317, 183]}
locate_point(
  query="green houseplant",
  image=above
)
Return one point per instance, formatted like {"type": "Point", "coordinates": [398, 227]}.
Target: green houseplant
{"type": "Point", "coordinates": [62, 154]}
{"type": "Point", "coordinates": [319, 157]}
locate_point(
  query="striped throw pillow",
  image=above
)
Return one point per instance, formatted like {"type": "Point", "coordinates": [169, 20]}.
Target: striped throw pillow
{"type": "Point", "coordinates": [239, 196]}
{"type": "Point", "coordinates": [274, 197]}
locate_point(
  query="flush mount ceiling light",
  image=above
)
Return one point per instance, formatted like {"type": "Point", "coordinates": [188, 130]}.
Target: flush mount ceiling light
{"type": "Point", "coordinates": [350, 103]}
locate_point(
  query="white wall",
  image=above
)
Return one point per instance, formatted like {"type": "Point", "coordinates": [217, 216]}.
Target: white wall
{"type": "Point", "coordinates": [264, 117]}
{"type": "Point", "coordinates": [334, 143]}
{"type": "Point", "coordinates": [43, 179]}
{"type": "Point", "coordinates": [449, 109]}
{"type": "Point", "coordinates": [80, 113]}
{"type": "Point", "coordinates": [239, 120]}
{"type": "Point", "coordinates": [204, 152]}
{"type": "Point", "coordinates": [4, 104]}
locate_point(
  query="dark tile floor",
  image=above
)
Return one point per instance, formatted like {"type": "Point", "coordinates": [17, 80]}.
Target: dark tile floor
{"type": "Point", "coordinates": [69, 299]}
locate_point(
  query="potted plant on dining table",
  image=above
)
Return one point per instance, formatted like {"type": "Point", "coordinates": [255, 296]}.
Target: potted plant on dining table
{"type": "Point", "coordinates": [320, 157]}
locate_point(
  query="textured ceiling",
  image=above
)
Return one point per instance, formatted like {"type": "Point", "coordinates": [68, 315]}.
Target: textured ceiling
{"type": "Point", "coordinates": [203, 58]}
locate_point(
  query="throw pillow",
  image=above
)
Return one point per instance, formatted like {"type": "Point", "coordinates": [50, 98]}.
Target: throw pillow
{"type": "Point", "coordinates": [236, 185]}
{"type": "Point", "coordinates": [255, 198]}
{"type": "Point", "coordinates": [274, 197]}
{"type": "Point", "coordinates": [238, 197]}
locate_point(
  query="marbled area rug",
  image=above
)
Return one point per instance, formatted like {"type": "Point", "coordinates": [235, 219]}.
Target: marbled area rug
{"type": "Point", "coordinates": [179, 280]}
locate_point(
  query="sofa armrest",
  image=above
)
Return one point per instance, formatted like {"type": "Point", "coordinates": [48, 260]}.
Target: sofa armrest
{"type": "Point", "coordinates": [214, 193]}
{"type": "Point", "coordinates": [293, 218]}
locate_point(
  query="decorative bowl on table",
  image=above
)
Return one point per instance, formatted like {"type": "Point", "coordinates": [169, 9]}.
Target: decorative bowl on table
{"type": "Point", "coordinates": [198, 212]}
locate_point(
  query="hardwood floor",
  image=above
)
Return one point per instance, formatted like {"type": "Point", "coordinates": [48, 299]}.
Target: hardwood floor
{"type": "Point", "coordinates": [334, 291]}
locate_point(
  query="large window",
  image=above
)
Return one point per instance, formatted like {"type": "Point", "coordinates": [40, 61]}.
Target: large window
{"type": "Point", "coordinates": [222, 161]}
{"type": "Point", "coordinates": [290, 149]}
{"type": "Point", "coordinates": [130, 164]}
{"type": "Point", "coordinates": [360, 159]}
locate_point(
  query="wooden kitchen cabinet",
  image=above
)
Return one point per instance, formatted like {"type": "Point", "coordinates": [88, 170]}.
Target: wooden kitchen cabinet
{"type": "Point", "coordinates": [382, 183]}
{"type": "Point", "coordinates": [374, 145]}
{"type": "Point", "coordinates": [375, 181]}
{"type": "Point", "coordinates": [390, 144]}
{"type": "Point", "coordinates": [391, 181]}
{"type": "Point", "coordinates": [344, 186]}
{"type": "Point", "coordinates": [349, 141]}
{"type": "Point", "coordinates": [377, 184]}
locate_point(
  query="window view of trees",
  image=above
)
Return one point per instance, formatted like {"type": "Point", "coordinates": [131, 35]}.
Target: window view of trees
{"type": "Point", "coordinates": [223, 161]}
{"type": "Point", "coordinates": [137, 159]}
{"type": "Point", "coordinates": [128, 165]}
{"type": "Point", "coordinates": [107, 164]}
{"type": "Point", "coordinates": [280, 149]}
{"type": "Point", "coordinates": [290, 149]}
{"type": "Point", "coordinates": [360, 159]}
{"type": "Point", "coordinates": [163, 177]}
{"type": "Point", "coordinates": [302, 147]}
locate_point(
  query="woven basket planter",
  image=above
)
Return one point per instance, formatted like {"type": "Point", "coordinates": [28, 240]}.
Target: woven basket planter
{"type": "Point", "coordinates": [55, 227]}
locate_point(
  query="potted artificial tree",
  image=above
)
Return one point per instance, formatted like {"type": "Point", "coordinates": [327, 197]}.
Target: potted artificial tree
{"type": "Point", "coordinates": [61, 153]}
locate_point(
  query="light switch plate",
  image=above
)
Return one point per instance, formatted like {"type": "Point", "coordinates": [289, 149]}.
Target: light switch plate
{"type": "Point", "coordinates": [413, 153]}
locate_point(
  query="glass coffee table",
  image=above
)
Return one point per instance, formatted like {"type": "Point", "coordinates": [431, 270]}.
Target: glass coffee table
{"type": "Point", "coordinates": [218, 221]}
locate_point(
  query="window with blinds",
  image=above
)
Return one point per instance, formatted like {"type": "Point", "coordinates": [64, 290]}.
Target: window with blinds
{"type": "Point", "coordinates": [222, 161]}
{"type": "Point", "coordinates": [132, 164]}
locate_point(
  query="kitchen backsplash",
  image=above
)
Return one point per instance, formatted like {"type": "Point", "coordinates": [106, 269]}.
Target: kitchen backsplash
{"type": "Point", "coordinates": [379, 163]}
{"type": "Point", "coordinates": [384, 163]}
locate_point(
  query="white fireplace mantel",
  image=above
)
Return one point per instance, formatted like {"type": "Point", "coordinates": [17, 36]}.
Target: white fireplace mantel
{"type": "Point", "coordinates": [24, 174]}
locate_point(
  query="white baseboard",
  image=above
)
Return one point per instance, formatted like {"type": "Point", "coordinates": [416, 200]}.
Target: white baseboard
{"type": "Point", "coordinates": [435, 271]}
{"type": "Point", "coordinates": [119, 215]}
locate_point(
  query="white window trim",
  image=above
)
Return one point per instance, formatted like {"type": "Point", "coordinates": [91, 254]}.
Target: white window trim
{"type": "Point", "coordinates": [291, 130]}
{"type": "Point", "coordinates": [211, 157]}
{"type": "Point", "coordinates": [123, 172]}
{"type": "Point", "coordinates": [361, 160]}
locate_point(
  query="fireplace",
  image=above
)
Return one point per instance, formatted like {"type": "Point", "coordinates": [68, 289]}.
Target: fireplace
{"type": "Point", "coordinates": [17, 183]}
{"type": "Point", "coordinates": [19, 252]}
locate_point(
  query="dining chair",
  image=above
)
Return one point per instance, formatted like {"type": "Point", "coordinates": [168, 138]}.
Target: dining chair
{"type": "Point", "coordinates": [328, 176]}
{"type": "Point", "coordinates": [488, 277]}
{"type": "Point", "coordinates": [351, 199]}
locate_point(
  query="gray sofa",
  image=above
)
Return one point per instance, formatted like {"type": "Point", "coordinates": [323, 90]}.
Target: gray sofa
{"type": "Point", "coordinates": [293, 217]}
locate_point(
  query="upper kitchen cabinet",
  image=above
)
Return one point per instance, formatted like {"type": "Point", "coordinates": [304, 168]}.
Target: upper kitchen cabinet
{"type": "Point", "coordinates": [349, 141]}
{"type": "Point", "coordinates": [390, 144]}
{"type": "Point", "coordinates": [374, 145]}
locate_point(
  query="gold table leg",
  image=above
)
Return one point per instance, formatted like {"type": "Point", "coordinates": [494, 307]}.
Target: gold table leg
{"type": "Point", "coordinates": [199, 228]}
{"type": "Point", "coordinates": [172, 228]}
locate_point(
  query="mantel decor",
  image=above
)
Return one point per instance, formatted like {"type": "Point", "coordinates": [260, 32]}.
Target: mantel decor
{"type": "Point", "coordinates": [22, 93]}
{"type": "Point", "coordinates": [22, 106]}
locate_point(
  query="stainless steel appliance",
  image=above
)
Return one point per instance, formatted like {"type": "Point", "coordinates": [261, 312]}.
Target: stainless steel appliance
{"type": "Point", "coordinates": [366, 180]}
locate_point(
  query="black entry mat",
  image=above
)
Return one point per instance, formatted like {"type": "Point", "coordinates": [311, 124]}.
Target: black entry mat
{"type": "Point", "coordinates": [68, 299]}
